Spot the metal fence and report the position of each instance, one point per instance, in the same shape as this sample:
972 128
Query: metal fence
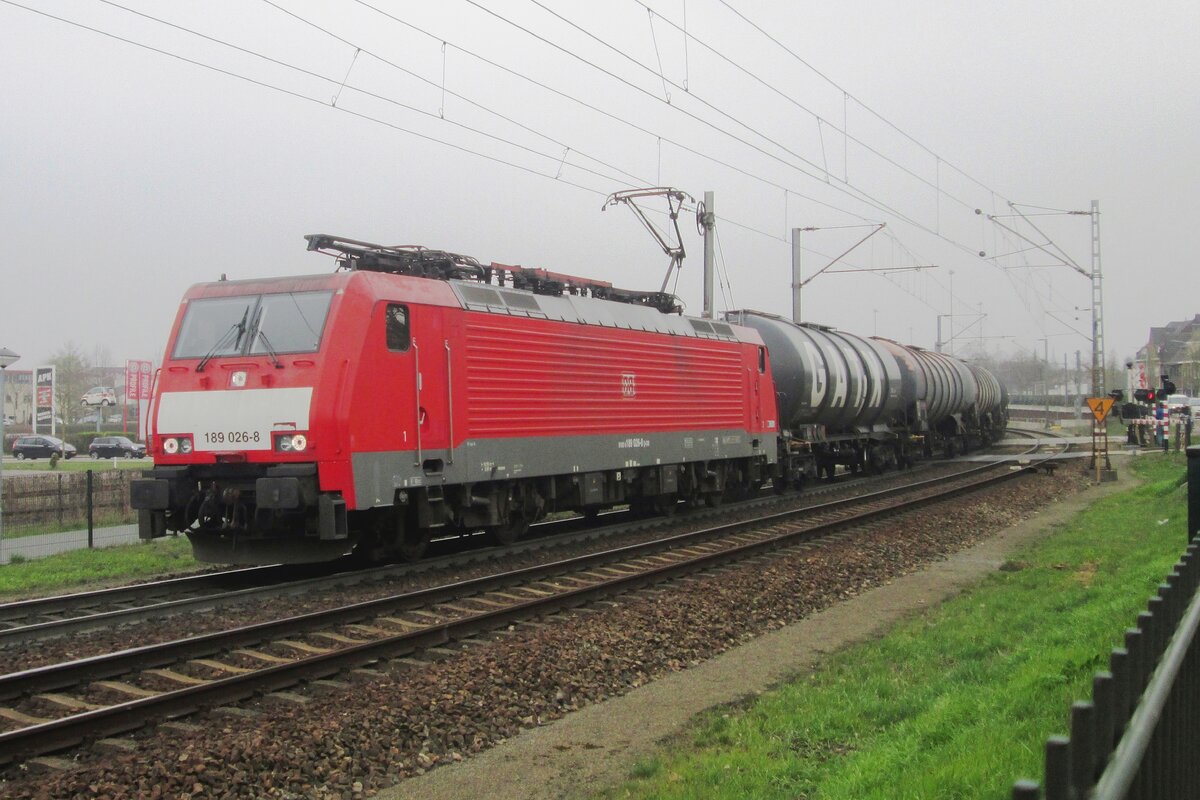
50 513
1137 738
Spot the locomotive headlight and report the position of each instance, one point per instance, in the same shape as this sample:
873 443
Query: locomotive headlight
291 443
171 446
185 445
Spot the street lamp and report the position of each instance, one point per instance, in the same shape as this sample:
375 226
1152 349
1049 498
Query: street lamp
7 359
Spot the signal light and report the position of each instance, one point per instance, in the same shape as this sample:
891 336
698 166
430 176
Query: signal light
1144 395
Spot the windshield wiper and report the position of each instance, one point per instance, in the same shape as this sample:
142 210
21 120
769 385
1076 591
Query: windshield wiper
270 350
259 333
238 328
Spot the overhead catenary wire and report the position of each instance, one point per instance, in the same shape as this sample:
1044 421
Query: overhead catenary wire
442 86
302 96
791 100
342 109
555 159
574 98
850 96
851 191
344 85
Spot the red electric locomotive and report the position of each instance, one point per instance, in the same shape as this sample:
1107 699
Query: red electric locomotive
415 391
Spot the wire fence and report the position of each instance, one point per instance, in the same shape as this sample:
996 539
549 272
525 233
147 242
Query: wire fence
50 513
1138 736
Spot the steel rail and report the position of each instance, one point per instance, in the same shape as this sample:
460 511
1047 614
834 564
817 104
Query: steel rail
73 729
78 603
66 603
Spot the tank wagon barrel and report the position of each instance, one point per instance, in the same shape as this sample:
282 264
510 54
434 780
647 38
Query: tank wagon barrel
868 402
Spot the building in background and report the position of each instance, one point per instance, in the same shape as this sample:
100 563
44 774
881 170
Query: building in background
18 398
1174 350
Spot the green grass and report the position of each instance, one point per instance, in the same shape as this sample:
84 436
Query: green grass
958 702
81 569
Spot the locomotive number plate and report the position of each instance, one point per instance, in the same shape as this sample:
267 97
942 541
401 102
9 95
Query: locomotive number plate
219 438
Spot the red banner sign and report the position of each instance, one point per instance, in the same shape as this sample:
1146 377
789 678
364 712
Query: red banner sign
137 380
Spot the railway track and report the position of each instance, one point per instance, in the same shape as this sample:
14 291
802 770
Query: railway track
43 618
59 706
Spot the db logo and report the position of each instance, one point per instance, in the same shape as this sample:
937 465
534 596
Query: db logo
628 384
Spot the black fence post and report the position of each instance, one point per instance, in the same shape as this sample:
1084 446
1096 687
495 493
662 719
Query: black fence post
1193 479
1083 750
91 543
1120 665
1058 768
59 507
1105 699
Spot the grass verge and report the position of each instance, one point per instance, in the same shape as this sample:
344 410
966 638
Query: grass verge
959 701
78 570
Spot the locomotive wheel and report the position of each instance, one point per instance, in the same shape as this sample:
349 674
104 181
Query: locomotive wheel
509 532
411 540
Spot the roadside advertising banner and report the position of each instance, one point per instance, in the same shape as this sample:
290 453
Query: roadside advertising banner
137 380
132 385
144 380
43 388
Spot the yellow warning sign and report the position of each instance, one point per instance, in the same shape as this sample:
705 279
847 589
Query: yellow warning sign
1100 407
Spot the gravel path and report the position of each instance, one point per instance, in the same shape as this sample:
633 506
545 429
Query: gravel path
407 716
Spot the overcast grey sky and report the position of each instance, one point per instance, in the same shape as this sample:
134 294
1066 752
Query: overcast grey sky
129 174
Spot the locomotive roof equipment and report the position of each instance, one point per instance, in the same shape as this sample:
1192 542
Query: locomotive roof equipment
422 262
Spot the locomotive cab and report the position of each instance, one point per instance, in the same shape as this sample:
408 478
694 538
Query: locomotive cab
234 437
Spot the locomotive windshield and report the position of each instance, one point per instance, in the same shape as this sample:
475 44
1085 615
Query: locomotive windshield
289 322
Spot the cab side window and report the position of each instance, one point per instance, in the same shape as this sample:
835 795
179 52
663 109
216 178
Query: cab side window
399 336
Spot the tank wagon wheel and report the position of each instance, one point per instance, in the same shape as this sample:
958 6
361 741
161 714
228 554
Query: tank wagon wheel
665 505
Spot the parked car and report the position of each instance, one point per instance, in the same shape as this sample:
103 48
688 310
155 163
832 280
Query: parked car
41 446
99 396
9 419
116 447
